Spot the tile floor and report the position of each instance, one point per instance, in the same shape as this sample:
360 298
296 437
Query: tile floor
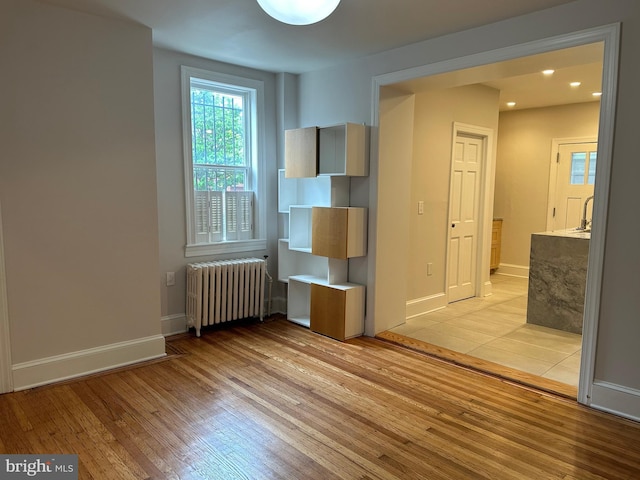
494 328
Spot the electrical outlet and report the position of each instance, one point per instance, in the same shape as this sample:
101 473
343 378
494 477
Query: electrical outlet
429 269
420 207
171 279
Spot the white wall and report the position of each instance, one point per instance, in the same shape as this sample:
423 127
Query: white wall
617 349
522 169
389 279
170 171
344 92
78 191
436 111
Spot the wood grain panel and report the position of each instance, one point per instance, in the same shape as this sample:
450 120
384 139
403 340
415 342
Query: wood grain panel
328 307
329 232
276 401
481 365
301 152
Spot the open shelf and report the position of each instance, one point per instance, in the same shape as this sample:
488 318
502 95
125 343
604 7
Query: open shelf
343 150
319 191
294 262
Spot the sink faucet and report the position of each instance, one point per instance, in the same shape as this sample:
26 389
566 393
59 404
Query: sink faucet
583 222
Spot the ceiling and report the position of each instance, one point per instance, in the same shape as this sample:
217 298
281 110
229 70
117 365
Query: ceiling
239 32
521 80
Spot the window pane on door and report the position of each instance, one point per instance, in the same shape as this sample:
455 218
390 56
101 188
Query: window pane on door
592 167
578 161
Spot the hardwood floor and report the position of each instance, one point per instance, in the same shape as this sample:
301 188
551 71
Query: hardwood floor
481 365
275 401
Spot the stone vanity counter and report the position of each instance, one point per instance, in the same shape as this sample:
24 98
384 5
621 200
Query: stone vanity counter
557 279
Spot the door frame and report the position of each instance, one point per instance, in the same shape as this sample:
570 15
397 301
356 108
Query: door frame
6 375
553 170
610 36
482 258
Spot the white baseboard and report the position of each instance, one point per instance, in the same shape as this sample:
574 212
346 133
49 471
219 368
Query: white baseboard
174 324
513 270
616 399
70 365
279 305
487 289
423 305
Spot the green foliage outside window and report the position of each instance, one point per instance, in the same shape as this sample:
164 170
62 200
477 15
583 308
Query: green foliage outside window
218 140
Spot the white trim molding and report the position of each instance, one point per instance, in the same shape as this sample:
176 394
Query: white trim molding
610 36
200 250
512 270
174 324
6 377
423 305
76 364
482 258
616 399
255 115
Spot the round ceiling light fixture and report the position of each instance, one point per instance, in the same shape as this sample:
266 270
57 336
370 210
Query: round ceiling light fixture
299 12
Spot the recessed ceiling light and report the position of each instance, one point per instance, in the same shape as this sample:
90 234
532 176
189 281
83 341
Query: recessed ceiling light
550 71
597 94
575 84
511 104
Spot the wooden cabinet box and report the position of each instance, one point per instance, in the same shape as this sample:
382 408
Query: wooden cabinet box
336 150
301 152
339 232
337 311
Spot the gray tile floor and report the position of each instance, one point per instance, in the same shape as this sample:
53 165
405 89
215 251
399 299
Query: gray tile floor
494 328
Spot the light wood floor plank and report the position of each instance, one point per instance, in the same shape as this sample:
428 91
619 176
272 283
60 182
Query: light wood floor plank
275 401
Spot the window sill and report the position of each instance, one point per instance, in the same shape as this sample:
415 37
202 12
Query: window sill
202 249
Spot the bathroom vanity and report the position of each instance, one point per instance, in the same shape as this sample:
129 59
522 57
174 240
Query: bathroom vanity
557 279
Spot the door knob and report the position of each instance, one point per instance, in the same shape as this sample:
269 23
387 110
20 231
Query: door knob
453 225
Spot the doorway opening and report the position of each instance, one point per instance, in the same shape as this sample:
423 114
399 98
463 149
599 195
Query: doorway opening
605 39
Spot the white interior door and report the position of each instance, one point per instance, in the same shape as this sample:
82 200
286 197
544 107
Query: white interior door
574 183
464 215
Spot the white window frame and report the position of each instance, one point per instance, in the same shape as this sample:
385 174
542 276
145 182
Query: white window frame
255 88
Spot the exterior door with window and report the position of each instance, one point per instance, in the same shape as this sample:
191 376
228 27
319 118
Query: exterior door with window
464 208
575 181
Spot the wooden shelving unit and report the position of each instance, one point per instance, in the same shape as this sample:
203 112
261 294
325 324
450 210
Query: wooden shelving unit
324 230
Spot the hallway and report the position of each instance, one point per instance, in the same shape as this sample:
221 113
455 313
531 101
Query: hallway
494 329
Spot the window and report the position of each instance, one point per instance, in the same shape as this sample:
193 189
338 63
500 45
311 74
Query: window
222 162
583 171
591 178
